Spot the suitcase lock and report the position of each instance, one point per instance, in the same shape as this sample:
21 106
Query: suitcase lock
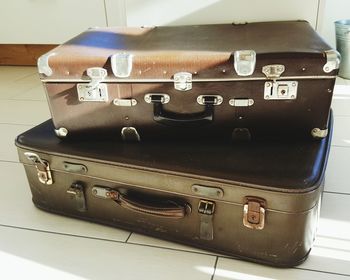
254 213
76 190
95 90
42 168
206 211
183 81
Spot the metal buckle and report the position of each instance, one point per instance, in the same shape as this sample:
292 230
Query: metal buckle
42 167
77 191
210 99
183 81
254 213
206 211
244 62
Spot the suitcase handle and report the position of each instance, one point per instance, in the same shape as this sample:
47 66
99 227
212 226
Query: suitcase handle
160 208
184 120
172 210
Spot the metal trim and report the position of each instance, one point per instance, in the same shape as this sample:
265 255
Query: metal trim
125 102
43 64
197 80
212 192
241 102
333 61
319 133
165 97
61 132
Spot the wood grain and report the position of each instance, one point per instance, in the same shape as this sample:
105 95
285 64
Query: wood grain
22 54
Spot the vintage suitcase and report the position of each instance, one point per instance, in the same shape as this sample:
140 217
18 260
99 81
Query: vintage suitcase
258 201
255 80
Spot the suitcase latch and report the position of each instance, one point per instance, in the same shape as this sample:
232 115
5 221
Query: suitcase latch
76 190
281 90
95 90
42 168
273 71
254 213
206 211
183 81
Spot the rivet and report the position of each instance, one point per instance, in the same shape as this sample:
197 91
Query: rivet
127 118
292 96
329 90
326 68
164 72
195 73
195 189
94 192
81 98
267 97
303 69
223 71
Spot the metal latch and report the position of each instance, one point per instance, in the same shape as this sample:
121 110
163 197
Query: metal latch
95 90
241 102
121 64
42 168
206 211
157 97
130 134
210 99
281 90
273 71
106 193
254 213
244 62
183 81
76 190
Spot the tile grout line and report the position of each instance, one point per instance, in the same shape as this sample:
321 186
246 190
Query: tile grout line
337 193
215 265
23 124
126 241
9 161
315 270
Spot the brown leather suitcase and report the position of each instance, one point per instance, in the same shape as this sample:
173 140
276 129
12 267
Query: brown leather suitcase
258 201
255 80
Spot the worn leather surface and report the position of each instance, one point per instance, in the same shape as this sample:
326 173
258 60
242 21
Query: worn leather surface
285 165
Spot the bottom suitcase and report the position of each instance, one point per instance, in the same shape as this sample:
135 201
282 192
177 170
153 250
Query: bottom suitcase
258 201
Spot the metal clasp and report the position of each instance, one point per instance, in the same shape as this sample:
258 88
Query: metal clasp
273 71
42 167
333 61
206 211
244 62
95 90
157 97
241 102
281 90
183 81
76 190
254 213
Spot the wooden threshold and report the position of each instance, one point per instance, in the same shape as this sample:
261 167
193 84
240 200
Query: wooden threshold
22 54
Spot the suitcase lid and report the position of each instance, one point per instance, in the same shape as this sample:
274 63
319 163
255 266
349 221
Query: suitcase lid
182 54
294 166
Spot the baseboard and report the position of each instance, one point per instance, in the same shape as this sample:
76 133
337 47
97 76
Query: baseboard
22 54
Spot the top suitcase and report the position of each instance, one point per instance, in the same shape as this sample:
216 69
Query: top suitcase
256 80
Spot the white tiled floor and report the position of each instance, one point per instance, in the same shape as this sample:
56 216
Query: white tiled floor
40 245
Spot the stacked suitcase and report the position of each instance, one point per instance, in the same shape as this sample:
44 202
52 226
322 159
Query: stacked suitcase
232 126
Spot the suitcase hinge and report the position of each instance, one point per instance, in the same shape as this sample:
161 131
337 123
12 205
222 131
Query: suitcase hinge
333 61
76 190
319 133
183 81
42 168
273 71
244 62
254 213
43 64
95 90
206 211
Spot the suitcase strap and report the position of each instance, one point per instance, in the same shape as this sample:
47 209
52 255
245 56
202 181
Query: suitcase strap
164 209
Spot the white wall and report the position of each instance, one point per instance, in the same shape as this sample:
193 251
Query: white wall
56 21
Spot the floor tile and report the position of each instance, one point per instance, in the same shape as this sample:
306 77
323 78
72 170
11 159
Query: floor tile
240 270
36 93
341 133
337 172
147 240
17 209
341 100
9 132
23 112
10 89
331 251
9 74
41 255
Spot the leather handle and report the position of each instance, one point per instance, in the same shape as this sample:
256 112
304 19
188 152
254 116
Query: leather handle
169 209
184 120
